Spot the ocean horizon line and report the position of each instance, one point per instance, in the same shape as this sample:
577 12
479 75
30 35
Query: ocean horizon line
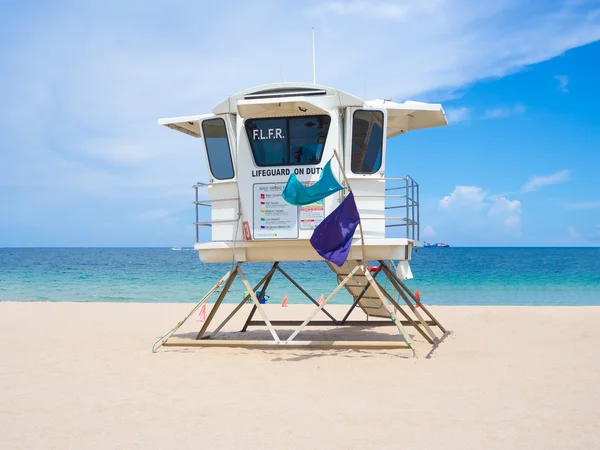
192 247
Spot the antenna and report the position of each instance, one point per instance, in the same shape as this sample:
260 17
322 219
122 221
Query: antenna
281 72
314 60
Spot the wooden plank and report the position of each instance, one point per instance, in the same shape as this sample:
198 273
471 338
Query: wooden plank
339 279
393 278
379 345
251 315
405 314
389 307
213 310
266 279
301 289
322 305
198 305
399 286
328 323
258 305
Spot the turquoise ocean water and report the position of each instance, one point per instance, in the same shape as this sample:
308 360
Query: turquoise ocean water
444 276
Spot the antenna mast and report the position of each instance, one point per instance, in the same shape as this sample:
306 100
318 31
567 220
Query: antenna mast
314 60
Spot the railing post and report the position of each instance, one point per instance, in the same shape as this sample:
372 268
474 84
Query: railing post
412 197
197 231
407 211
418 215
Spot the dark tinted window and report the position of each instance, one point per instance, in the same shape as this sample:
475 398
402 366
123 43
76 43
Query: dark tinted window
288 141
217 148
367 141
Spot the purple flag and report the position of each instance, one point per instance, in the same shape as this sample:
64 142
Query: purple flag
332 237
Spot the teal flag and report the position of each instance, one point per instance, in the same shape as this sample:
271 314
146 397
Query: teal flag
298 194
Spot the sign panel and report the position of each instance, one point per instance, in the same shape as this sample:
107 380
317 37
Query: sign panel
274 218
311 215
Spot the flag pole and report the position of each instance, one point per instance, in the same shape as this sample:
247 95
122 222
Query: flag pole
362 236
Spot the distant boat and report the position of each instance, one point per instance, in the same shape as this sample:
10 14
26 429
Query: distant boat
176 248
438 245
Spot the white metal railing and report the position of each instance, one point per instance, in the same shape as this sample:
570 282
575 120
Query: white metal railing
408 200
209 203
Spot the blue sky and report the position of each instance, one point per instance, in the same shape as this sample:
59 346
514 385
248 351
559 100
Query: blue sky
83 162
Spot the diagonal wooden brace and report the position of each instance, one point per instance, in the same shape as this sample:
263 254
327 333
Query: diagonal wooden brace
266 279
390 309
258 306
322 305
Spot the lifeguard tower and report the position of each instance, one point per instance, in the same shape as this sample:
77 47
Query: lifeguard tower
253 142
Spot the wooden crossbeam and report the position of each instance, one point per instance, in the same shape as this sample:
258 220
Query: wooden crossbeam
322 305
328 323
181 342
403 290
266 279
258 305
392 313
232 274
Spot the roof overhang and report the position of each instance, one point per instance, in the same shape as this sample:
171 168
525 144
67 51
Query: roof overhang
278 107
280 91
410 115
188 124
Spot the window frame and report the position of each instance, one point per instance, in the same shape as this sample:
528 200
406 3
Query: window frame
222 119
287 119
383 138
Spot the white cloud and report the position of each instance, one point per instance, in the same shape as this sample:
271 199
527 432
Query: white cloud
428 232
464 197
538 182
470 208
508 212
456 115
583 205
503 112
563 83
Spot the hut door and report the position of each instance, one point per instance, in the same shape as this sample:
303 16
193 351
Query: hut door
364 161
218 137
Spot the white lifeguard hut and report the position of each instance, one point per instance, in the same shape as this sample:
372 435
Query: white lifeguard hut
253 141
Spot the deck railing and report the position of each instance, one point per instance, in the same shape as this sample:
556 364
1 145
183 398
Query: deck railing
208 202
407 200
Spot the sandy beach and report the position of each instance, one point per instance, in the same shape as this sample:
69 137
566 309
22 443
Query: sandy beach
82 375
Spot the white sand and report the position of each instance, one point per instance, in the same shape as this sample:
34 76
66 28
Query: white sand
82 375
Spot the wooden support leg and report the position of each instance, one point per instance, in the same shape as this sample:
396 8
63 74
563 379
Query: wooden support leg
266 279
258 306
249 319
405 314
358 299
198 305
322 305
405 335
213 311
402 290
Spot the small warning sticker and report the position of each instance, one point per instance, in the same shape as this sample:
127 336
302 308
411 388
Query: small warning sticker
247 234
